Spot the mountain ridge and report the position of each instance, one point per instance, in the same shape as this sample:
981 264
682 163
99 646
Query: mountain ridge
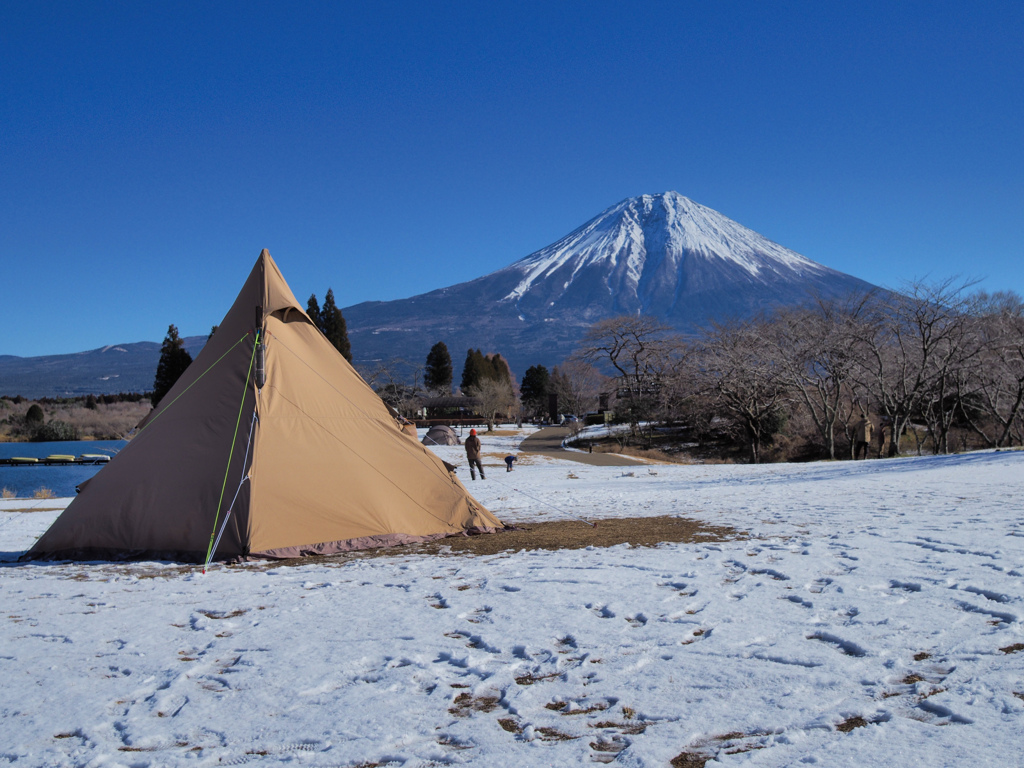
664 255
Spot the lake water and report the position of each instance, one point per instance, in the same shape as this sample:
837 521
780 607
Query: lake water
26 480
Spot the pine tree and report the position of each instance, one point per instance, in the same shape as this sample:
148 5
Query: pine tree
498 368
334 326
174 359
534 389
438 372
313 310
474 369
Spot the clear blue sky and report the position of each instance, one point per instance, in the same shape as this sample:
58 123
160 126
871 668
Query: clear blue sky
149 150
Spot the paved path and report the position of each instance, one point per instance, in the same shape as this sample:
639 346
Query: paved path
549 441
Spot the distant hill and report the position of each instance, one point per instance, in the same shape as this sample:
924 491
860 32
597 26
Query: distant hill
662 255
107 370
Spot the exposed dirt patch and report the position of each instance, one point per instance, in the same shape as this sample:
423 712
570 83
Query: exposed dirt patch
922 655
550 535
553 734
509 724
689 760
217 615
465 704
572 534
850 723
1013 648
630 728
530 679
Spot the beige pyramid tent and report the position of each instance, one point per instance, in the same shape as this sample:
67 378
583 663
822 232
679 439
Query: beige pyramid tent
270 445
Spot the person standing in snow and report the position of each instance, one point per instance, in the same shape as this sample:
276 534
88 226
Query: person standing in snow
862 441
473 455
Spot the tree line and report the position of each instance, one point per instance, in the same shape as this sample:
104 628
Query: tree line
933 367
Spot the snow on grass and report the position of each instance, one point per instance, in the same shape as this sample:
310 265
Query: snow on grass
871 615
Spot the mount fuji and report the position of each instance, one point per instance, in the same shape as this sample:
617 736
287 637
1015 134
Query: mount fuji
661 255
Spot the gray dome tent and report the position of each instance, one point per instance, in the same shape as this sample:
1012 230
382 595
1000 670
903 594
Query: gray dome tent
441 434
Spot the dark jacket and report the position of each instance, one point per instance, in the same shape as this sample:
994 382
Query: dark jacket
473 448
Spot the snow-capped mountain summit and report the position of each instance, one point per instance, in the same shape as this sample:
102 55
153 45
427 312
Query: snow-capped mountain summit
648 253
662 255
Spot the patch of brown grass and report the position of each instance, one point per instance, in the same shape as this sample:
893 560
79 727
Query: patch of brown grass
465 704
572 534
1013 648
509 724
530 679
7 493
216 615
650 454
689 760
44 493
630 729
553 734
553 535
850 723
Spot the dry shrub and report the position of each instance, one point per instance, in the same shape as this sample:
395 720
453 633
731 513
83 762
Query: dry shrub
105 422
44 493
651 454
7 493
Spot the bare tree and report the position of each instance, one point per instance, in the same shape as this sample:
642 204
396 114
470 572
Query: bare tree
637 348
496 397
905 352
812 349
578 386
397 381
688 394
747 381
994 402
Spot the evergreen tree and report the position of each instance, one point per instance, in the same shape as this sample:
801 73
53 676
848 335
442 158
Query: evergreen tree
313 310
498 369
213 330
474 369
334 326
174 359
534 389
438 372
35 416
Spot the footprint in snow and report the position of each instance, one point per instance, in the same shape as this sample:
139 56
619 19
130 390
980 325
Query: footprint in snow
818 585
700 633
479 616
846 646
566 644
601 611
771 572
798 600
908 586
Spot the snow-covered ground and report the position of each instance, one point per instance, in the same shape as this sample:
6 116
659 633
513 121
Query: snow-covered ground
871 616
